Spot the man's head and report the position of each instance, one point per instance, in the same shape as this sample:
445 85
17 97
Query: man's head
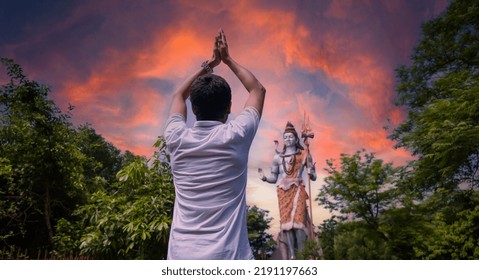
210 97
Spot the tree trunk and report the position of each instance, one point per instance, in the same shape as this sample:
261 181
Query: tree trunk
47 213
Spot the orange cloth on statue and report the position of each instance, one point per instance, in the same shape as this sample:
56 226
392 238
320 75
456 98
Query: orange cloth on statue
292 195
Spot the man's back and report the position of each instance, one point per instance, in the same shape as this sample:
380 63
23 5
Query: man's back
209 165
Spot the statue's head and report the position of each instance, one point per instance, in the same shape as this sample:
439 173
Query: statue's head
290 137
210 97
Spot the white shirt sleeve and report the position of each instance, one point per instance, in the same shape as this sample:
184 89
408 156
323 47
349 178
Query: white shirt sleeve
175 125
246 124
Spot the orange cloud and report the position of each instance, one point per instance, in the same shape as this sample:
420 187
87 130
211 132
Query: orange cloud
275 42
174 53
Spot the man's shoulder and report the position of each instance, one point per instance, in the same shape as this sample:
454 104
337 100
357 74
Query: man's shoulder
246 123
251 111
176 117
175 123
249 115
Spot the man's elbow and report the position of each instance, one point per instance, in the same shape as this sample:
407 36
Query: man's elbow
261 92
262 89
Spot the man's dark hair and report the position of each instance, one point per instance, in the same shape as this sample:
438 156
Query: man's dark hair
210 97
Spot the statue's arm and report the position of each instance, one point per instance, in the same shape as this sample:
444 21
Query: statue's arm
272 178
311 168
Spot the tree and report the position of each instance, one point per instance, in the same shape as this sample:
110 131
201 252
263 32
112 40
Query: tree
405 229
371 202
439 92
356 240
48 167
103 159
312 250
360 189
261 242
327 234
452 229
41 166
130 221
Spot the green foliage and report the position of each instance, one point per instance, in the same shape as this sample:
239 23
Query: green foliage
442 226
133 220
59 188
378 215
103 159
261 242
311 251
66 241
405 230
360 188
13 253
41 171
327 234
453 228
439 91
357 241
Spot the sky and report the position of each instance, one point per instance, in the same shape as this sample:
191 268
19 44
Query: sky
119 62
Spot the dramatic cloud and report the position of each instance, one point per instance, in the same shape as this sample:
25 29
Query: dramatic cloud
119 63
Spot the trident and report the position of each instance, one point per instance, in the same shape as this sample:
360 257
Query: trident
306 134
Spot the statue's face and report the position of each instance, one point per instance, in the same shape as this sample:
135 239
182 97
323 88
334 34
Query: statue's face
289 139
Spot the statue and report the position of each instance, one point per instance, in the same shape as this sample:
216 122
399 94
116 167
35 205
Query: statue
287 173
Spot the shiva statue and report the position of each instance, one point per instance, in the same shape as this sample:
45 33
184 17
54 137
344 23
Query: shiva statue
287 173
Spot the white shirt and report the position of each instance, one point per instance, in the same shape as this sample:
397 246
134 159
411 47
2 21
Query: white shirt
209 165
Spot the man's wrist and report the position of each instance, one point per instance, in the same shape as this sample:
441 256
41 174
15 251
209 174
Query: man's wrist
207 67
212 64
228 61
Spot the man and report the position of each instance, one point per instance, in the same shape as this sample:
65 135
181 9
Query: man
287 171
209 162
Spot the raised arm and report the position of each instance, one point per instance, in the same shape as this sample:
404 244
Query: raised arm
178 104
256 90
311 168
